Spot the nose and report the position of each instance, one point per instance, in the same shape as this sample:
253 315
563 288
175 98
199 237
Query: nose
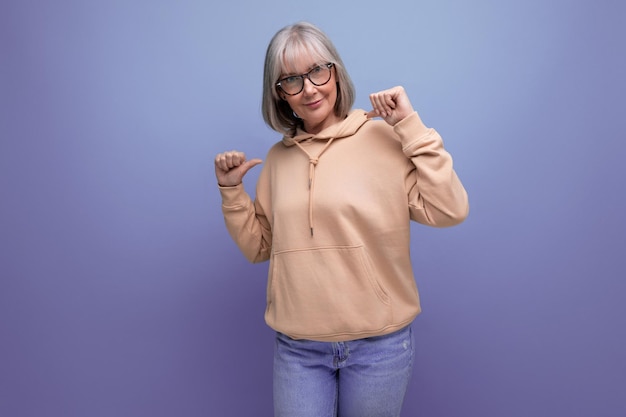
308 85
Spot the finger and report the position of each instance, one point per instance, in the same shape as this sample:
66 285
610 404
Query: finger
385 102
390 100
220 161
227 160
234 158
238 158
376 104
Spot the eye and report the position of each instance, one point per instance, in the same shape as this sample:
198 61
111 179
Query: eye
291 80
316 70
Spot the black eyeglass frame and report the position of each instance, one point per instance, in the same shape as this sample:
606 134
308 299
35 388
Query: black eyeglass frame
328 65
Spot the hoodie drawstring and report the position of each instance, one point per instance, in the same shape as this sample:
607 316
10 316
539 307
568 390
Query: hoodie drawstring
313 161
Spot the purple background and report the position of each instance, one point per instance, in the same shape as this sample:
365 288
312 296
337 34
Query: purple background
121 293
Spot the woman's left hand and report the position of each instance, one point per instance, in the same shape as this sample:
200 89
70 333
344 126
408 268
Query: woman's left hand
392 105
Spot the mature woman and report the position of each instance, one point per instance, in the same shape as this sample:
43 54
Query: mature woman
331 213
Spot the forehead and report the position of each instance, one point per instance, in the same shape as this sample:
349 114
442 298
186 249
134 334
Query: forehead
297 58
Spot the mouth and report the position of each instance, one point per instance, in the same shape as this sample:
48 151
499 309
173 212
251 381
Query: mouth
314 103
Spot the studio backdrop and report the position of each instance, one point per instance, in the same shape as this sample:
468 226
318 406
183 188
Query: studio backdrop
121 293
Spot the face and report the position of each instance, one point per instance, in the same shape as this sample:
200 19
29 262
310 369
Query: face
315 103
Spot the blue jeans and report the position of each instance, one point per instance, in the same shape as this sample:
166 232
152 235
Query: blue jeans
359 378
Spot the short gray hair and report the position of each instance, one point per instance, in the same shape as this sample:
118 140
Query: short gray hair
287 45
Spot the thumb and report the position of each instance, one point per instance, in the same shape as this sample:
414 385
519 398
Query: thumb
246 166
371 114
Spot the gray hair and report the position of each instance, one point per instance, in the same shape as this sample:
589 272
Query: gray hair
287 45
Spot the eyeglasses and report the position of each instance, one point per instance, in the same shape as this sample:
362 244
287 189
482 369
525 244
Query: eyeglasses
294 84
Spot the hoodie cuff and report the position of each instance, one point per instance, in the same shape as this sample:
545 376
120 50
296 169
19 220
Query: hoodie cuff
411 131
411 128
234 196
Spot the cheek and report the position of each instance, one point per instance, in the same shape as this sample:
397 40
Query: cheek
334 93
293 103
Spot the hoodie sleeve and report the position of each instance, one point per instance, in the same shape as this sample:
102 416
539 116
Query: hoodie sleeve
436 195
247 224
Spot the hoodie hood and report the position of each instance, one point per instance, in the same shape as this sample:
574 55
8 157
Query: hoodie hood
346 128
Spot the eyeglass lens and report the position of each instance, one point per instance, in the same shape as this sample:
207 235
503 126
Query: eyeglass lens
294 84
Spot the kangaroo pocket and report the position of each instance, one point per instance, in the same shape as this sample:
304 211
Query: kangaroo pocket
326 291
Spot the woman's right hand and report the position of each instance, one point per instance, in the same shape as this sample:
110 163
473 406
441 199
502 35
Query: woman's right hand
230 167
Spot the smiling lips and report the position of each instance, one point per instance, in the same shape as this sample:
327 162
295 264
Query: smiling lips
314 104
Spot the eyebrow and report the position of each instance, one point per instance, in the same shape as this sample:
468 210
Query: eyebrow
289 74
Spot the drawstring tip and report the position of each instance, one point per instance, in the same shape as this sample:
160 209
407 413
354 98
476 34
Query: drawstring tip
311 231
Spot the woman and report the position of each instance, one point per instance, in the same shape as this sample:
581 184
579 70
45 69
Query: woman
333 204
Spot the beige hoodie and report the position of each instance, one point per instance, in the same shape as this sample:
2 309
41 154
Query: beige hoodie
332 215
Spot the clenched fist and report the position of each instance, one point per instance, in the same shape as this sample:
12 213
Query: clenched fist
392 105
231 166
